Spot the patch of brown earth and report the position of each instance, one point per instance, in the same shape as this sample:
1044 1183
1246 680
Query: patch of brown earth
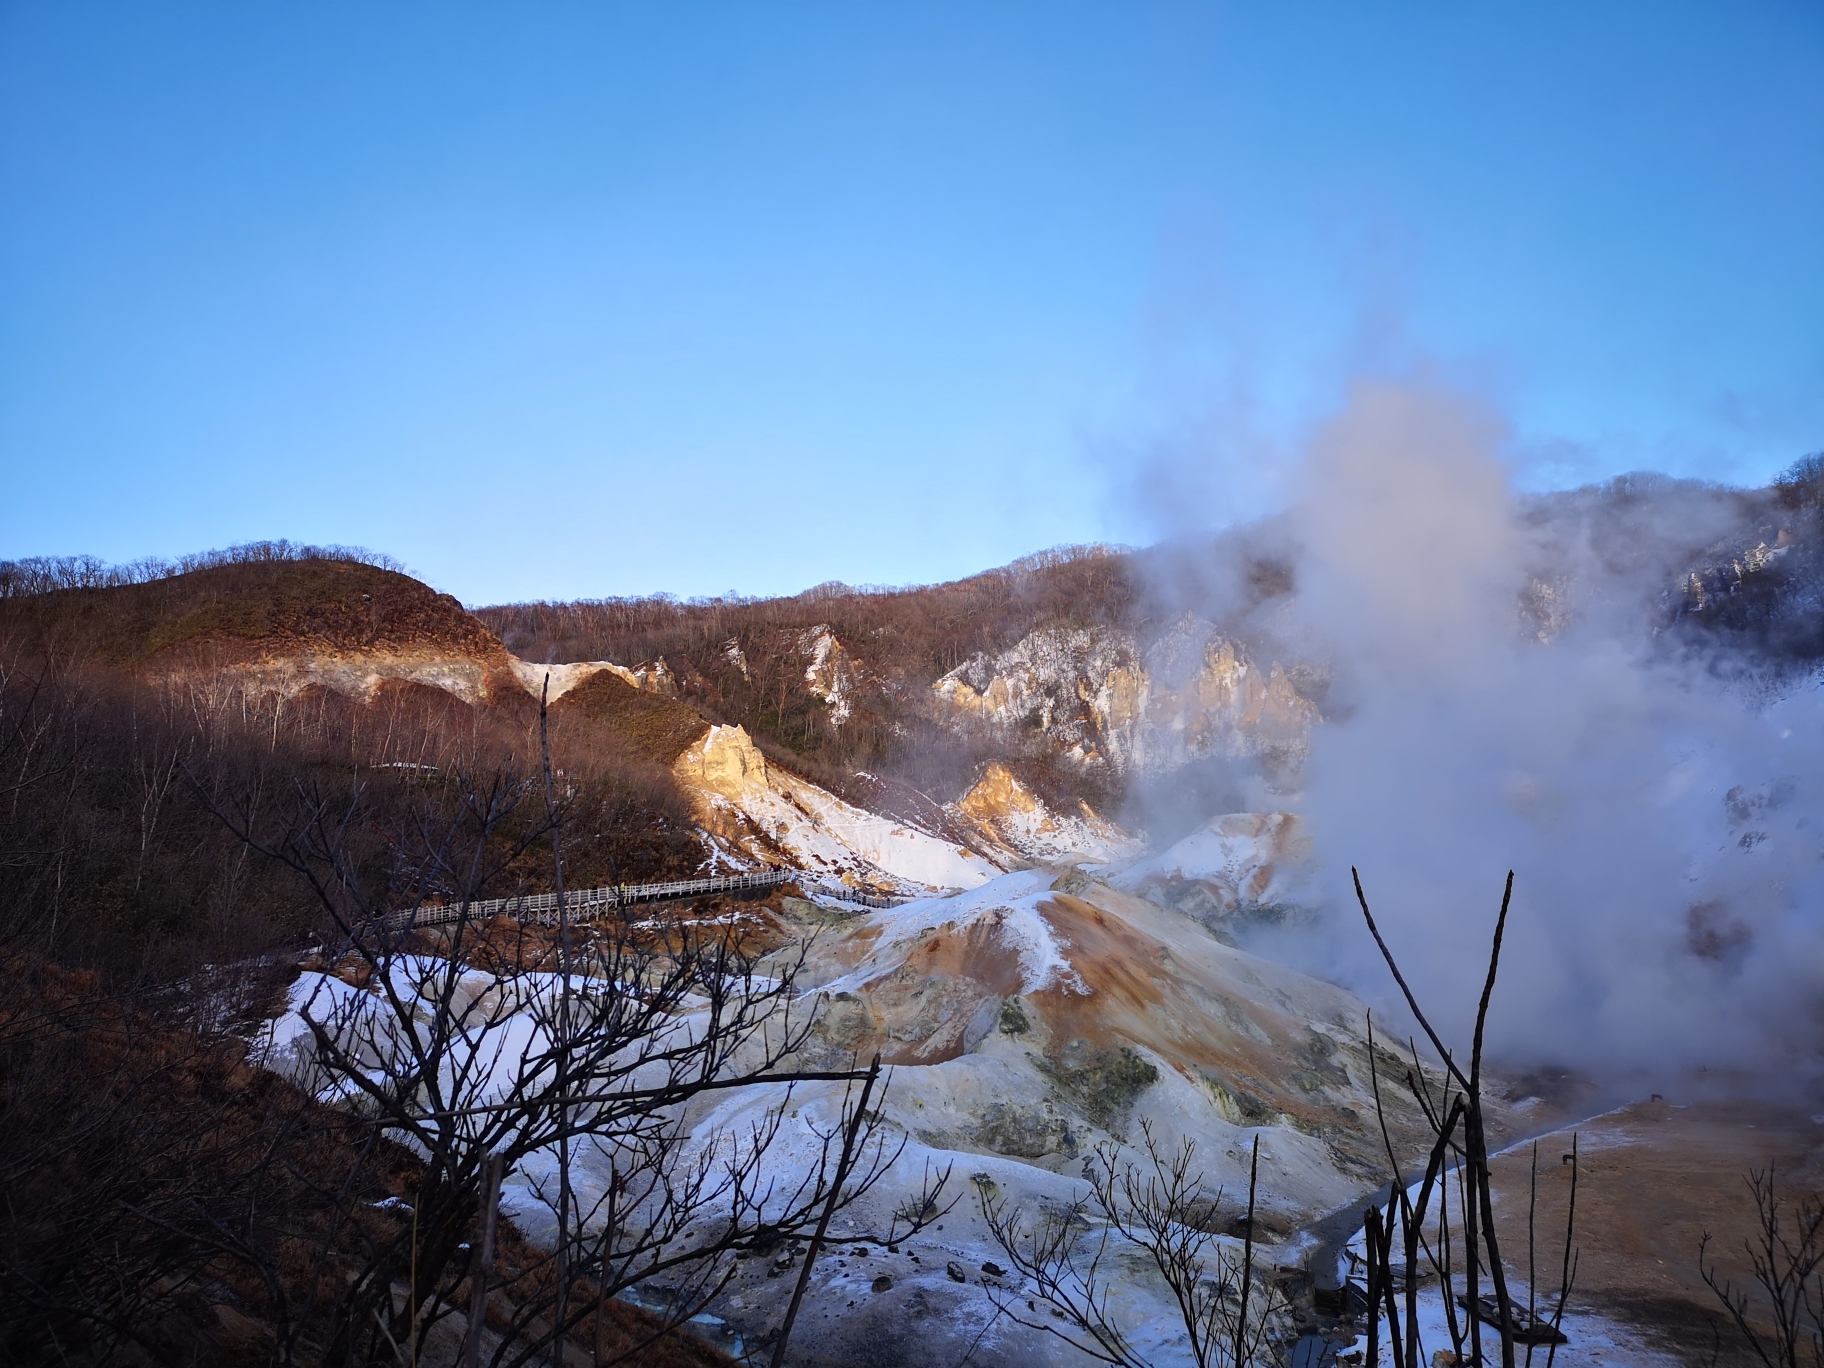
1654 1177
936 1004
1263 1065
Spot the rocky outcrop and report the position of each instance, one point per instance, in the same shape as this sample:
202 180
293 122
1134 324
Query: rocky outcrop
726 763
829 675
653 677
1059 988
355 674
1104 701
474 677
1017 819
765 813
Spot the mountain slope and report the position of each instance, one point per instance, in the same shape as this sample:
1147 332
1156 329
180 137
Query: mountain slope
388 672
249 608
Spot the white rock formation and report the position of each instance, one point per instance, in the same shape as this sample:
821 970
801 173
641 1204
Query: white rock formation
829 674
1242 858
1190 694
654 678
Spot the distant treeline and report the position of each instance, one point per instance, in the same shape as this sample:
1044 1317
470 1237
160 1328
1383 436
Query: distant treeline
48 574
1082 585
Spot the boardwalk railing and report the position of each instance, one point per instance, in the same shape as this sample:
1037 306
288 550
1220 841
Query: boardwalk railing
585 904
843 893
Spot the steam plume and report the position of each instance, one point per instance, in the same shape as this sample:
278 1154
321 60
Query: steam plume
1499 699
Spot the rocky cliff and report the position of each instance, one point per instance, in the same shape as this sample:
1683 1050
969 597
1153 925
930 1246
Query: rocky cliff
1105 702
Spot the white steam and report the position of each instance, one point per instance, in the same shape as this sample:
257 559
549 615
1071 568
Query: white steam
1665 833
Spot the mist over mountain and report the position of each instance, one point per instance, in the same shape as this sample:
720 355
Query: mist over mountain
1611 690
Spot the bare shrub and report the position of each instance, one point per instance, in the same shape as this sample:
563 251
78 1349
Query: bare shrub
1162 1206
1453 1107
1784 1324
493 1043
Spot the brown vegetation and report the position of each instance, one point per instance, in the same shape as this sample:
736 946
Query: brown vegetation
744 660
113 856
648 727
168 1203
255 605
478 1068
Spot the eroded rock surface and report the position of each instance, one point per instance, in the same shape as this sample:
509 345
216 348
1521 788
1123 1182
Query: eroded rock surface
1104 701
1015 818
766 813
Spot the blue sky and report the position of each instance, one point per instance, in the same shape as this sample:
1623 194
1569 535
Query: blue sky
560 300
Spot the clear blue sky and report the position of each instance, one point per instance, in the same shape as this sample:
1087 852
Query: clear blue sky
556 300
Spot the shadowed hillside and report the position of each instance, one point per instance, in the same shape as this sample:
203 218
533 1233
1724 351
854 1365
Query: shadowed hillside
131 697
269 603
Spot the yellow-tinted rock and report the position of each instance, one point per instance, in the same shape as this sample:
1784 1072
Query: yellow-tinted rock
725 761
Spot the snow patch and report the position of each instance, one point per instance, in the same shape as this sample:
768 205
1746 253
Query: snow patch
655 678
821 833
1243 857
1010 902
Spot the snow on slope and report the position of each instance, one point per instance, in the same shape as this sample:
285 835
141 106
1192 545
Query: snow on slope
764 810
1016 817
1028 1021
1010 901
1237 859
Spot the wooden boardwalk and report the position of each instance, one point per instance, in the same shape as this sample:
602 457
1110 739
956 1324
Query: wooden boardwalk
586 904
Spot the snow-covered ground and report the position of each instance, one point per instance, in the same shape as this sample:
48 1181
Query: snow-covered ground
995 1008
1242 857
1592 1341
1005 1013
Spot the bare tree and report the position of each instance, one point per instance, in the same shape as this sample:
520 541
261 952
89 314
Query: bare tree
1786 1256
1453 1108
1163 1207
491 1041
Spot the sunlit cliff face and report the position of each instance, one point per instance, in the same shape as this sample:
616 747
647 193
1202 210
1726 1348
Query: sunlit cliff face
1665 826
1105 701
